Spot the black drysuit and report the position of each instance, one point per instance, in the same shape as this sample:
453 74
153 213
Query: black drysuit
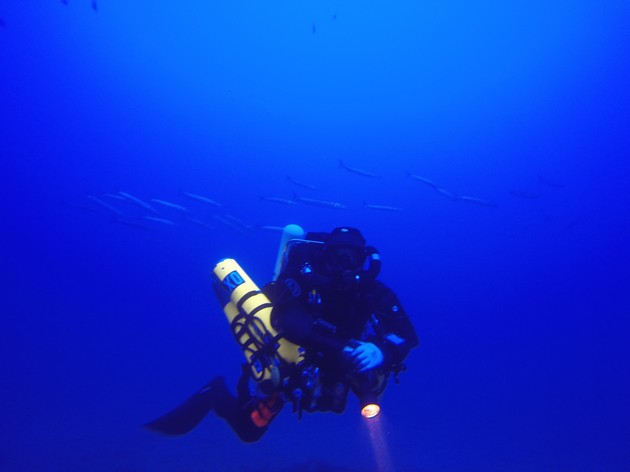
313 312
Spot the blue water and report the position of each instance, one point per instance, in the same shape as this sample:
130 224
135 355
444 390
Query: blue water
521 302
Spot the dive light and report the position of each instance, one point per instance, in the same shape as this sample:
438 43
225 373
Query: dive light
369 405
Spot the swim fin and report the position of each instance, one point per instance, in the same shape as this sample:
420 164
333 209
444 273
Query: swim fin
189 414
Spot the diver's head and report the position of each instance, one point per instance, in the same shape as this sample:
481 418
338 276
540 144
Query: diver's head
343 257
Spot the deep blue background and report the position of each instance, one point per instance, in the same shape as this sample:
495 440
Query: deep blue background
522 307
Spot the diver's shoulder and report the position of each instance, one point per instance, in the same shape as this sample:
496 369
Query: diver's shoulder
377 287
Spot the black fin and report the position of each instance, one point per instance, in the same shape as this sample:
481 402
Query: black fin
189 414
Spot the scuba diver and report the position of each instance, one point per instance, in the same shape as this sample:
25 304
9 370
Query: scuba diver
346 329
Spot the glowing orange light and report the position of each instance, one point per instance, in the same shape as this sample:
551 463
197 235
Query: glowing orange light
370 410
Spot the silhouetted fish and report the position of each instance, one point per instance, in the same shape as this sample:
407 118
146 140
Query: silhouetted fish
2 23
524 194
232 222
301 184
476 200
314 29
446 193
203 224
549 183
94 5
423 180
239 222
136 201
202 199
115 197
381 207
162 221
285 201
65 2
173 206
356 170
105 205
81 206
321 203
131 223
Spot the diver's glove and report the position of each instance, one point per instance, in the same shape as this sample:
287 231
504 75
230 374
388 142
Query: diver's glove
364 356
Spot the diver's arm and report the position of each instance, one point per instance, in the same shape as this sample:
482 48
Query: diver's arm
395 335
297 325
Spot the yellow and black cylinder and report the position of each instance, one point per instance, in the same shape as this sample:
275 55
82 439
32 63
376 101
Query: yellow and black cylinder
248 311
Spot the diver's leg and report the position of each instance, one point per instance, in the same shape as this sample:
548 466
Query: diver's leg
248 415
238 416
242 386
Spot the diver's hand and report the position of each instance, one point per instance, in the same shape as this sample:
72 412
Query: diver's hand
364 356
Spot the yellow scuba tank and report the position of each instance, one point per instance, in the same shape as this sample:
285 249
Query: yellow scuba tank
248 311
